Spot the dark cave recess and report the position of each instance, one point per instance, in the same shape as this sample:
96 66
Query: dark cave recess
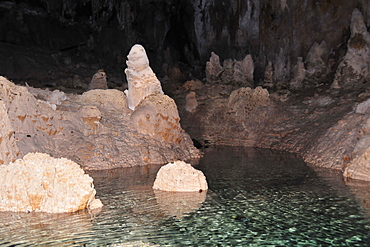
181 33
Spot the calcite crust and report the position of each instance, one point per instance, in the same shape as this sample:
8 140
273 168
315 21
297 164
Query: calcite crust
40 183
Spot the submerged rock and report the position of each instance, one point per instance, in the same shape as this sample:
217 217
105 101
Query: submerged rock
40 183
180 176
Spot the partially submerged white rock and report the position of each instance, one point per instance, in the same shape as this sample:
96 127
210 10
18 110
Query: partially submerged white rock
181 177
40 183
142 81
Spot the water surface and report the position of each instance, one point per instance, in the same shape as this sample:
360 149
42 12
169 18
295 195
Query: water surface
256 197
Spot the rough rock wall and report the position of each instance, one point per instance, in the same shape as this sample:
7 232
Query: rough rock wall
271 31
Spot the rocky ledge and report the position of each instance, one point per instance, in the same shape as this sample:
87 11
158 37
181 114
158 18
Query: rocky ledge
98 129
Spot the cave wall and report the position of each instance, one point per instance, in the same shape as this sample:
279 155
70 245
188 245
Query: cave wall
185 31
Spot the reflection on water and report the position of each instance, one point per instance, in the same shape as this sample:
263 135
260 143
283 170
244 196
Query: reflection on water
256 197
178 204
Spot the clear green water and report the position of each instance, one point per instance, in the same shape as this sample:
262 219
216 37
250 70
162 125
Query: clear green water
256 198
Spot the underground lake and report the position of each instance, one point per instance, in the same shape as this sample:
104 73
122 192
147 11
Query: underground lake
256 197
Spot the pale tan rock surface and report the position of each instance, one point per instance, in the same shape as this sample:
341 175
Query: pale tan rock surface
40 183
157 116
141 79
7 142
93 129
109 99
181 177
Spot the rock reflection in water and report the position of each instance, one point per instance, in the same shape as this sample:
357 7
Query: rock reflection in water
45 228
178 204
255 198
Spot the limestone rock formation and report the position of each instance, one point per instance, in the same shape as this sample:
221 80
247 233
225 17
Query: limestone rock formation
316 68
93 129
8 147
354 69
193 85
243 100
40 183
107 99
181 177
232 71
191 102
268 78
299 73
243 71
142 81
158 117
53 98
213 69
99 81
359 167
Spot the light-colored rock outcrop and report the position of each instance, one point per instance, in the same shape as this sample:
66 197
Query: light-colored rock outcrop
158 117
108 99
40 183
141 79
93 129
180 176
354 69
53 98
8 147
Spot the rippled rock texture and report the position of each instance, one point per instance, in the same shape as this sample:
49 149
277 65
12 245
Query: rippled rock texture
40 183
